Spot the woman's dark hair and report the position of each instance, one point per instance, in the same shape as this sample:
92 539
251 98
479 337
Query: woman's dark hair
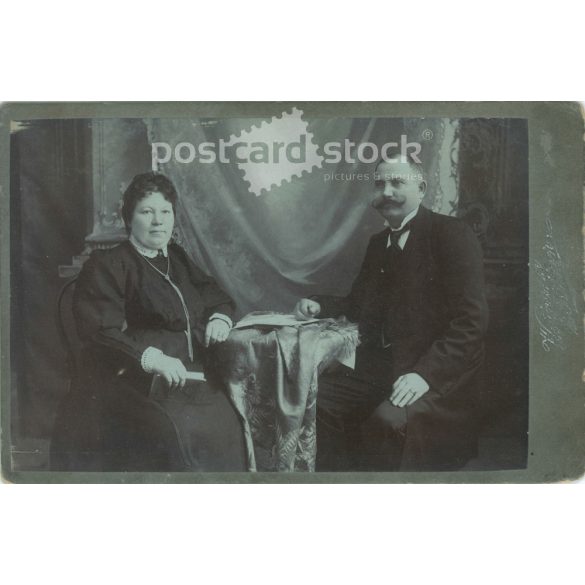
143 185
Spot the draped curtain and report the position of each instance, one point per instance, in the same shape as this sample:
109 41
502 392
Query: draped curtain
307 235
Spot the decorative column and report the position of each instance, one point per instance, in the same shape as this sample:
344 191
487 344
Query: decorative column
120 150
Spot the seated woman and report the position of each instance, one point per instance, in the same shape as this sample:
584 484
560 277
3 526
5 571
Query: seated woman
142 309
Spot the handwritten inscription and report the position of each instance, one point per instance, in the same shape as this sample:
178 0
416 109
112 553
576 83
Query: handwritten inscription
556 308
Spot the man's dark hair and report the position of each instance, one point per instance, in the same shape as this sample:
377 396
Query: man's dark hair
143 185
408 158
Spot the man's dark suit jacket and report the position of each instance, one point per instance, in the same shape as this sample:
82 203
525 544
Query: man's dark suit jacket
436 314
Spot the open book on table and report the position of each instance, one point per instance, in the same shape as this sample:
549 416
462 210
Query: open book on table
271 320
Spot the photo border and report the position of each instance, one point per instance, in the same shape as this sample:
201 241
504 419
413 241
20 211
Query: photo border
556 448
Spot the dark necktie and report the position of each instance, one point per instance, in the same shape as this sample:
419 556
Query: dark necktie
395 236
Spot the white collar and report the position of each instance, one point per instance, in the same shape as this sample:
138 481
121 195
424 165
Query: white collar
404 221
148 252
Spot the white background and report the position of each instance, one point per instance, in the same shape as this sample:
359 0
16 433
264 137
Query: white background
291 534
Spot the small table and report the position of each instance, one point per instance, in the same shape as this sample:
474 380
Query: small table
272 378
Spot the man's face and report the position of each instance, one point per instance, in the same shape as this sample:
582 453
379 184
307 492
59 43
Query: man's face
399 190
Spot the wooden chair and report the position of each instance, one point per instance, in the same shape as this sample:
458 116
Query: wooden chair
75 443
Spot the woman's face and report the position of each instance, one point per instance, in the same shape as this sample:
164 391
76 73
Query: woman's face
153 221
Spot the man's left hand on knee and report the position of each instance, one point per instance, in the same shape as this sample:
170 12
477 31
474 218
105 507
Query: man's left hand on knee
408 389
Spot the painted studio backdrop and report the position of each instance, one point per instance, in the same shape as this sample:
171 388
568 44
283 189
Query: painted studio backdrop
267 245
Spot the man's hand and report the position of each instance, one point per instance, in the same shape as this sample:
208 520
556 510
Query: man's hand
216 331
408 389
306 309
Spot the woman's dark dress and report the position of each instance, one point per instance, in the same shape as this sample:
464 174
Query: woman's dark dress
122 306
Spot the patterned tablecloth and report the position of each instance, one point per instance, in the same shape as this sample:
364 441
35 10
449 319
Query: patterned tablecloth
272 379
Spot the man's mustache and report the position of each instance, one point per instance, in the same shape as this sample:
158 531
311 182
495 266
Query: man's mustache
380 202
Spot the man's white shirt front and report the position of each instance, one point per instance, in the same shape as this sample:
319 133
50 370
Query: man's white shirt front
404 237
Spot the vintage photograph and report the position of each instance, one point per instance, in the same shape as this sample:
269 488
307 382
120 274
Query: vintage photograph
282 293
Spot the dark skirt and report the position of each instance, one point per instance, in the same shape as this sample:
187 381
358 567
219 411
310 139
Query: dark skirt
193 429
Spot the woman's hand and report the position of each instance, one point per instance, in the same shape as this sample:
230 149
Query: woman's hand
217 330
171 369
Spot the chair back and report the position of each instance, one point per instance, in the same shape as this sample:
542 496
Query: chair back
67 327
76 438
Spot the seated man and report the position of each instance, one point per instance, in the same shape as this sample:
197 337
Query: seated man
419 301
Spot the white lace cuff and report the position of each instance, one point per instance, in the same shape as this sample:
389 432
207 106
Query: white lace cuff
222 317
149 355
